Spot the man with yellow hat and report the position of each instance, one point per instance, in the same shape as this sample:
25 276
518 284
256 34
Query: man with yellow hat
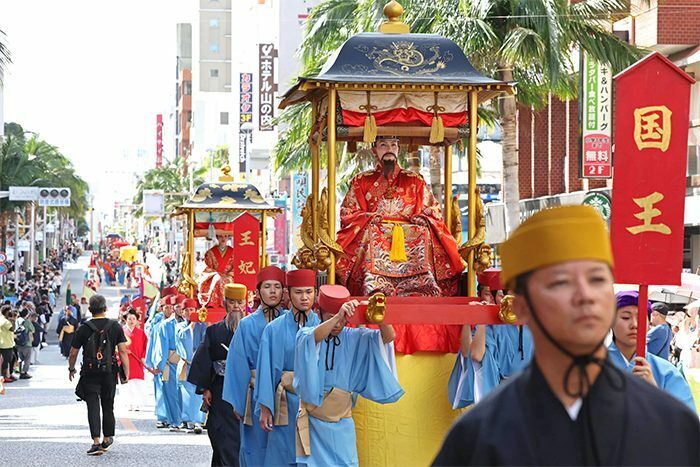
207 373
333 364
571 406
276 401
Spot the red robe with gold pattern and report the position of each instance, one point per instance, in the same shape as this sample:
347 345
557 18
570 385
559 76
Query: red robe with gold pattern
368 214
216 275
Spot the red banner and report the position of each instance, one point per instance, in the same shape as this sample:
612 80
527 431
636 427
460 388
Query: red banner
651 143
159 140
246 251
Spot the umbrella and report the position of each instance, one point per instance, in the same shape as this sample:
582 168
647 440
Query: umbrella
114 235
120 243
695 304
667 296
690 285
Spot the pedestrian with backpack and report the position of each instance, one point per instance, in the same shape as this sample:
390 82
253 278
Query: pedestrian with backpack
24 335
98 338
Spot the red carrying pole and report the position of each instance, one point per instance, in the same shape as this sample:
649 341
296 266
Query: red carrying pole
642 320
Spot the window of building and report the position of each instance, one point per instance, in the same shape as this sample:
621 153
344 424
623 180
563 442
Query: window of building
214 73
223 118
214 47
187 88
214 23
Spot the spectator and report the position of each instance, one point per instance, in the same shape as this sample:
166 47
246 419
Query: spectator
24 336
36 340
7 343
98 374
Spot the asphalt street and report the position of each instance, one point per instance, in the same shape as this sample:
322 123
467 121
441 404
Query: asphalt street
42 423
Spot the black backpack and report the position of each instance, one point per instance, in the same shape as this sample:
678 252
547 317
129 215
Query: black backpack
98 351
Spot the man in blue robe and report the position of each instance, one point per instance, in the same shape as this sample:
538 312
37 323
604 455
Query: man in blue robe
497 351
165 358
188 337
276 401
240 378
151 330
654 370
659 335
334 364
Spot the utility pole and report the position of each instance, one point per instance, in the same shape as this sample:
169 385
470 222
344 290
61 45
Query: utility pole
16 258
32 236
43 242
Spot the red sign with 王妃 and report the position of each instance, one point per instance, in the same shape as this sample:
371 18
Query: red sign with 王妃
246 251
652 100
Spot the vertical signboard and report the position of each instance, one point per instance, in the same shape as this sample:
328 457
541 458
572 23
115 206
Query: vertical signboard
596 102
281 229
245 121
267 87
300 191
159 140
651 137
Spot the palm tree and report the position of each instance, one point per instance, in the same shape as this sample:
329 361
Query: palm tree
533 43
5 58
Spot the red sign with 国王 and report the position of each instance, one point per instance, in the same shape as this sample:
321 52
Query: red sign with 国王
246 251
652 100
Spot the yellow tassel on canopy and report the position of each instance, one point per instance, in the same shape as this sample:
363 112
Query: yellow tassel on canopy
398 244
437 130
370 135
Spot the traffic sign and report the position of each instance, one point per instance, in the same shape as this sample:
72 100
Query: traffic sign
3 269
3 257
23 193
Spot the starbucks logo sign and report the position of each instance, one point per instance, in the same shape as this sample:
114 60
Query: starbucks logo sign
601 202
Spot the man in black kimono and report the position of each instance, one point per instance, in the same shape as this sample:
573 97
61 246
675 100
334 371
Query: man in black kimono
207 373
571 406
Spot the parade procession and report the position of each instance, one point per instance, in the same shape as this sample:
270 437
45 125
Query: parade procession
393 233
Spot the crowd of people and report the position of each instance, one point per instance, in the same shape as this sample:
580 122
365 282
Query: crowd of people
26 313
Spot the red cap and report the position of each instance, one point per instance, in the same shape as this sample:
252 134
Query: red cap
491 278
181 298
271 273
332 297
190 303
163 301
169 291
172 299
301 278
139 303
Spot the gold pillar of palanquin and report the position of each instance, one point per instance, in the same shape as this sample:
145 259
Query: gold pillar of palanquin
471 187
332 94
315 144
447 211
263 240
190 249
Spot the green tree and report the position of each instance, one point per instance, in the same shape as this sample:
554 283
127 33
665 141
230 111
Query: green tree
532 42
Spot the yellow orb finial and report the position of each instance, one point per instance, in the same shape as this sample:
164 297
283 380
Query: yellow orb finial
393 11
226 174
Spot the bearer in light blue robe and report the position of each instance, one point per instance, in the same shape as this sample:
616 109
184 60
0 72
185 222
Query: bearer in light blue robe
164 357
653 369
186 343
240 377
497 352
151 330
460 387
275 360
333 365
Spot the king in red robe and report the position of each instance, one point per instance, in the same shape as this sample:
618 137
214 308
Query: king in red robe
396 242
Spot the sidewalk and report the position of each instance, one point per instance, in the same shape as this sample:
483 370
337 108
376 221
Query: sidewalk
42 423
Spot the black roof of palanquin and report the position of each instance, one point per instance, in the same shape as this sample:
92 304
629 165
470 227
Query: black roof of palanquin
374 57
399 59
227 196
